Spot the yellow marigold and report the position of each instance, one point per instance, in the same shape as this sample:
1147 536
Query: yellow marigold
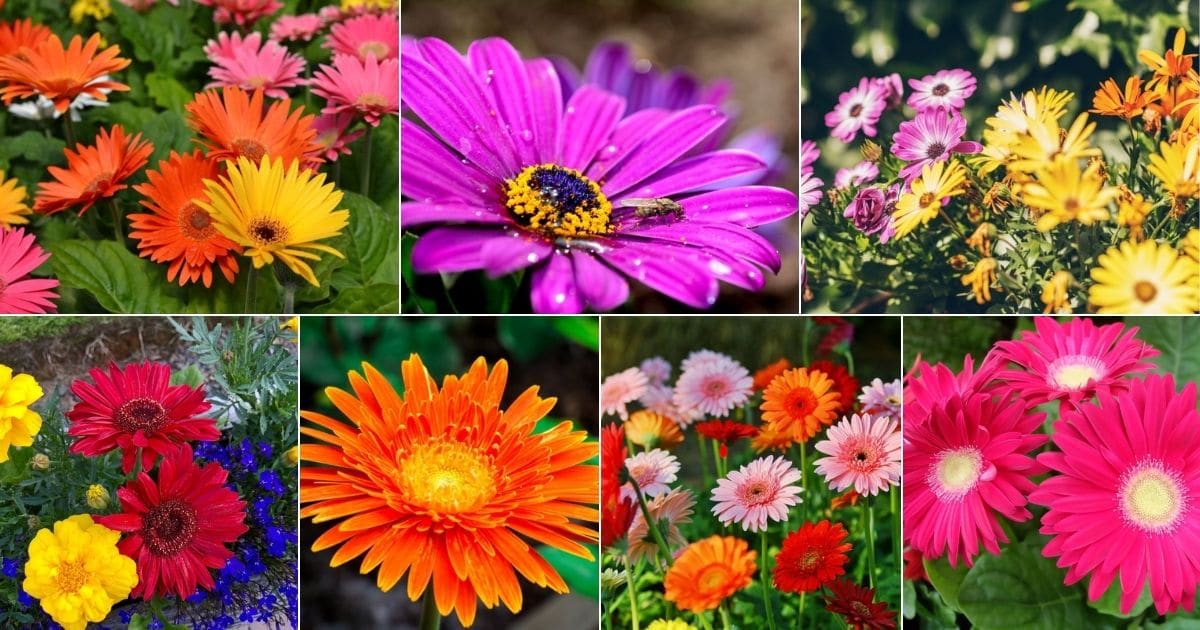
980 280
18 423
77 572
292 324
13 209
1061 193
982 238
652 430
919 206
1054 294
1146 277
97 497
96 9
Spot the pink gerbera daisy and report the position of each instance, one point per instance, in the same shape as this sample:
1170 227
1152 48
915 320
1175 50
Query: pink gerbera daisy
241 12
697 358
20 255
714 387
332 135
929 385
761 490
657 370
933 136
965 466
881 399
297 28
1072 361
810 192
366 35
808 155
620 389
369 88
864 452
674 508
1125 498
857 108
654 471
252 63
862 173
945 89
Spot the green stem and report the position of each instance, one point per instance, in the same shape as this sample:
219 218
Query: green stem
289 299
69 129
800 611
630 580
717 459
116 215
804 468
431 619
251 277
659 541
725 614
708 482
704 623
897 544
869 521
959 232
365 187
766 590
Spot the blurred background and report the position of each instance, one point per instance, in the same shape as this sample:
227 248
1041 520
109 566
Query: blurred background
558 354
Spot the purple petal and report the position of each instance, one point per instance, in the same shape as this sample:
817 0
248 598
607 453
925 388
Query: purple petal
547 108
554 289
503 256
967 146
677 90
591 117
749 206
431 171
696 173
676 272
602 288
729 240
568 75
610 66
665 143
640 94
499 67
628 134
414 213
448 249
717 92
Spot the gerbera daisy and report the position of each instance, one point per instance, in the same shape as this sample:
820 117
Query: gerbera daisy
616 510
657 370
1146 277
93 173
1110 100
811 557
944 89
932 136
858 108
800 403
966 466
620 389
927 386
365 87
1071 361
858 608
61 74
177 230
654 471
253 63
21 34
1044 142
650 430
564 198
881 399
708 572
1061 193
18 423
366 35
847 499
714 388
241 12
862 173
1124 499
766 374
137 410
670 624
937 182
771 439
810 192
446 486
725 431
275 212
759 491
13 209
671 509
178 525
864 452
296 28
233 123
844 383
333 136
703 356
19 256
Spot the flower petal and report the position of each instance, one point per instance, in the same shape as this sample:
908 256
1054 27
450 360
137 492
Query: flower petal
696 173
502 256
413 213
601 287
749 206
449 249
592 115
554 289
431 171
663 144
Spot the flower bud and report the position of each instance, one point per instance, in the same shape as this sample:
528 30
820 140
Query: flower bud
871 152
291 457
97 497
40 461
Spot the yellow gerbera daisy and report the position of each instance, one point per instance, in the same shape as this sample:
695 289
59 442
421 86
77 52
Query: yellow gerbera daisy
13 210
670 624
276 213
1012 121
918 207
1062 193
1045 143
18 423
1146 277
1190 245
1177 166
77 572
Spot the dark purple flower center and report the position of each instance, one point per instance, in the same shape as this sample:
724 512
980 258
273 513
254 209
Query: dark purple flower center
941 89
856 110
169 527
935 150
140 414
558 201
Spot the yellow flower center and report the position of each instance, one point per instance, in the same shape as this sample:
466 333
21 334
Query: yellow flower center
956 472
377 48
370 100
252 149
558 201
72 576
266 232
809 561
1075 372
926 199
1152 498
712 576
1144 291
447 477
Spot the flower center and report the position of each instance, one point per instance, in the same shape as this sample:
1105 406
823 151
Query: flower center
801 401
935 150
810 560
856 110
195 222
256 82
377 48
926 199
169 527
956 472
72 576
370 100
1075 372
860 609
252 150
558 201
267 232
712 576
757 493
941 89
1144 291
97 183
447 477
1152 497
715 388
140 414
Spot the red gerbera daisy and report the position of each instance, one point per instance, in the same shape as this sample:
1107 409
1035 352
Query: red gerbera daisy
616 514
725 431
844 383
137 410
178 526
811 557
857 606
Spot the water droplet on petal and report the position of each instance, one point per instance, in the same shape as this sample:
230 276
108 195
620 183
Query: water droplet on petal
464 145
719 268
989 472
559 298
570 109
612 148
532 257
526 135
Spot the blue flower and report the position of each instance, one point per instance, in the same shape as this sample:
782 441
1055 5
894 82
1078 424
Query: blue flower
262 509
264 450
198 597
9 568
24 598
271 482
155 624
277 541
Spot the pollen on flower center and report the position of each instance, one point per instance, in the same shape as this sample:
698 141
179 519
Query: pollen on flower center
935 150
558 201
267 232
1075 372
169 527
1152 497
98 182
195 222
757 494
446 477
941 89
144 414
253 150
860 609
856 110
371 99
926 199
72 576
810 560
801 401
956 472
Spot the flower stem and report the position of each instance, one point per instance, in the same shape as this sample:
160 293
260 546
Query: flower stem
659 541
766 590
869 523
897 544
803 468
289 299
630 581
704 461
725 614
116 215
365 187
431 619
251 277
957 230
800 611
69 129
717 458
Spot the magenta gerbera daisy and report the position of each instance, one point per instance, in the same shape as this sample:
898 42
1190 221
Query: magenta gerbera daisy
714 387
966 466
928 385
19 293
252 63
620 389
368 88
654 471
933 136
864 452
858 108
757 492
944 89
241 12
1124 499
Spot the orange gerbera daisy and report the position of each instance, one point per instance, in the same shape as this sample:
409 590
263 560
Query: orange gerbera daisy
708 572
652 430
61 74
177 230
800 402
443 484
1111 101
764 376
93 173
233 123
770 438
16 35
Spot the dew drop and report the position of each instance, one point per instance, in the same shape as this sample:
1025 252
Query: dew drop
570 109
610 149
559 298
532 257
464 145
488 78
526 135
719 268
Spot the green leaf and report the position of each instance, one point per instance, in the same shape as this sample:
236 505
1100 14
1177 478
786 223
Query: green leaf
578 573
167 92
946 579
376 298
139 622
34 147
583 330
1178 341
370 244
1110 602
526 338
119 280
1021 589
168 132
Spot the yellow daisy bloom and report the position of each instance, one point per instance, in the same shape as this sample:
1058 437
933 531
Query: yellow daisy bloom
13 209
97 9
18 423
918 207
276 213
1146 277
1062 193
1190 245
77 572
1045 143
1178 168
1012 121
670 624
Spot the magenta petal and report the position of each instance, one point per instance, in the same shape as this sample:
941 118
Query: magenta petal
554 289
729 240
967 146
450 249
590 119
499 67
676 272
628 135
749 206
427 164
413 213
696 173
677 90
663 144
602 288
610 66
502 256
546 107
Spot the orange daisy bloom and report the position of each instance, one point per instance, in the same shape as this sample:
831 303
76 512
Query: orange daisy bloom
1111 101
708 572
17 35
177 230
61 74
770 438
233 123
93 173
652 430
800 402
444 485
764 376
1172 64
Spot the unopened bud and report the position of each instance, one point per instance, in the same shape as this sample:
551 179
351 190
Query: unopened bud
871 152
40 461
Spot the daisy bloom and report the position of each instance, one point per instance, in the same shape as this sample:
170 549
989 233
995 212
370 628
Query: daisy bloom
366 35
21 34
1072 361
19 256
1124 499
13 209
766 374
862 173
654 471
616 509
93 173
1110 100
1045 143
650 430
927 386
296 28
800 403
759 491
858 608
708 572
233 123
858 108
241 12
77 572
771 439
809 153
812 557
43 108
1061 192
444 485
18 423
620 389
933 136
881 399
944 89
276 213
704 356
892 87
253 63
365 87
1172 64
844 383
965 467
179 525
923 202
657 370
863 452
1177 168
616 67
725 431
61 74
177 230
672 509
810 192
137 410
1146 277
333 136
847 499
714 388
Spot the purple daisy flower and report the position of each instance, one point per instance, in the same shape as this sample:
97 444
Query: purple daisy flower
862 173
810 192
931 137
871 210
892 87
511 178
808 155
858 108
945 89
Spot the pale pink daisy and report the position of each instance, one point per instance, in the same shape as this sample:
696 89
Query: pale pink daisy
892 87
881 399
331 14
20 294
696 358
620 389
368 88
241 12
657 370
945 89
858 108
862 173
332 134
297 28
366 35
661 400
809 152
761 490
714 387
654 471
251 63
810 192
864 452
674 508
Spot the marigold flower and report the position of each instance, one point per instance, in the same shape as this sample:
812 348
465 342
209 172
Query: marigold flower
95 9
812 557
1146 277
800 403
708 572
18 423
61 74
1111 101
1131 212
93 173
77 572
97 497
981 279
